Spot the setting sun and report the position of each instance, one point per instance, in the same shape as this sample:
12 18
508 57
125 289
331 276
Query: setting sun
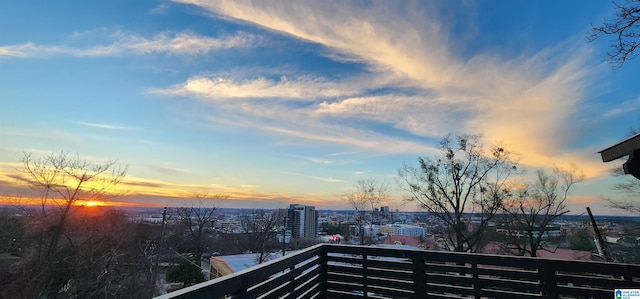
91 203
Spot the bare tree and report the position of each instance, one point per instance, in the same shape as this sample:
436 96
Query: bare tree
623 28
367 194
628 187
259 232
62 182
535 207
463 186
197 218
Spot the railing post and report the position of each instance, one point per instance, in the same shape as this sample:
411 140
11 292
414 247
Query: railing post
549 284
244 286
242 292
477 288
323 270
419 275
364 274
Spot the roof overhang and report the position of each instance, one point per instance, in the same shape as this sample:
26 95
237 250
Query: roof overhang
629 147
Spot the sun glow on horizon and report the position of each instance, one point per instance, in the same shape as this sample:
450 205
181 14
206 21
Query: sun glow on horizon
91 203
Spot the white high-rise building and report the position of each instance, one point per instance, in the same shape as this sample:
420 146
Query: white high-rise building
302 221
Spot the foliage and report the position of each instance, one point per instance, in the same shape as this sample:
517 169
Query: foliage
582 241
186 270
465 180
623 28
535 207
623 253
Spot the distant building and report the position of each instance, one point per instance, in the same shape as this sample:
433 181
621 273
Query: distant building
302 221
404 229
384 211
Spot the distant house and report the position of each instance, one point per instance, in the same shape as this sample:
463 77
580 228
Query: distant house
225 265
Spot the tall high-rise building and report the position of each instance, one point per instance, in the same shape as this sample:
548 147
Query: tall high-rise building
302 221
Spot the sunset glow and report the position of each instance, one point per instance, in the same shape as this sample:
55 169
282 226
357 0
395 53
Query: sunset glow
274 102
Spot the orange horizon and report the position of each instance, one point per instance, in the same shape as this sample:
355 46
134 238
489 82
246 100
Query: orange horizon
77 203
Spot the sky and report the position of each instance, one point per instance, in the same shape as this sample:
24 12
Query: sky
280 102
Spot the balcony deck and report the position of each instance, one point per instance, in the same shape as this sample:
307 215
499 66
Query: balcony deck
345 271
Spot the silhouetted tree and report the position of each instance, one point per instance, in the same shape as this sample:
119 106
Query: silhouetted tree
197 219
534 207
464 186
101 258
623 29
69 255
62 181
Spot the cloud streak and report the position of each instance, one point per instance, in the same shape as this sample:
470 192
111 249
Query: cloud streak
106 126
526 100
216 88
181 43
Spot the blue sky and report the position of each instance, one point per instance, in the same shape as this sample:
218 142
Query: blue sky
278 102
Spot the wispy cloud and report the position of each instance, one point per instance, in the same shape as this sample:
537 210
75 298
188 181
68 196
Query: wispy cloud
343 154
181 43
424 115
319 178
162 8
169 170
106 126
321 161
625 107
305 88
527 100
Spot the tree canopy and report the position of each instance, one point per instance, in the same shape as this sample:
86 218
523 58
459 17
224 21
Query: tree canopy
463 185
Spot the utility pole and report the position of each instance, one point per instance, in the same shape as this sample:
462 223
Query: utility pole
604 252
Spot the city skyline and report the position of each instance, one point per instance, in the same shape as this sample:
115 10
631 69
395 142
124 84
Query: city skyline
273 103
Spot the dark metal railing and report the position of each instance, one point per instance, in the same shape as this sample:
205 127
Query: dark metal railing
345 271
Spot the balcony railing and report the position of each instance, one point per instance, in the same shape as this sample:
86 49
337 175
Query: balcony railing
344 271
